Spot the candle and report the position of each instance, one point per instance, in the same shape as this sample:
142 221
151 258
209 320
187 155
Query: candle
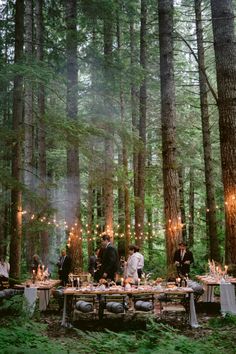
178 281
217 269
77 282
33 271
122 281
226 269
138 281
43 268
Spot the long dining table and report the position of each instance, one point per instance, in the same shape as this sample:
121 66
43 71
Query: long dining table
39 289
131 293
210 282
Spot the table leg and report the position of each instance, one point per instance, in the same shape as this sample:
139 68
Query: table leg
63 323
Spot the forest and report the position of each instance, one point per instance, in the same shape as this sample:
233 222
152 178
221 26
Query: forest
117 117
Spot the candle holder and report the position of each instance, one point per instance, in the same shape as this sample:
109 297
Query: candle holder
33 277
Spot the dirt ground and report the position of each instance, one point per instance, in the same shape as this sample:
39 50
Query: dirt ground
52 317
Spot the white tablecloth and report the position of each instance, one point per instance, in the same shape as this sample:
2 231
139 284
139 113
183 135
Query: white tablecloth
193 317
30 296
208 295
227 298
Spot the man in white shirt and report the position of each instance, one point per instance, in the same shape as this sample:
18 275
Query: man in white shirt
140 261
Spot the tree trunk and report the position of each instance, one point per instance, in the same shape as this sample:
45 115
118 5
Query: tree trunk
140 205
42 164
73 173
191 208
90 217
16 193
124 163
225 56
109 148
209 176
29 130
182 204
134 113
168 120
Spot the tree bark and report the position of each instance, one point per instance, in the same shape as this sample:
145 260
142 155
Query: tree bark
182 204
225 57
124 163
16 193
191 208
29 131
73 172
206 135
42 163
140 205
109 148
168 121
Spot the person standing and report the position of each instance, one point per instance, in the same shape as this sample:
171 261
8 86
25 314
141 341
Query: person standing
131 267
140 261
36 263
64 267
4 273
182 259
109 260
4 268
92 266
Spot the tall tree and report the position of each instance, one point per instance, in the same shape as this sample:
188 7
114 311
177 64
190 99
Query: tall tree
29 127
206 135
73 171
42 163
16 193
109 145
140 204
125 205
168 121
182 203
191 208
225 57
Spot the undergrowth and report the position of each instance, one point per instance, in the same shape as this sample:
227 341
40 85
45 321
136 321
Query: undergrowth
20 334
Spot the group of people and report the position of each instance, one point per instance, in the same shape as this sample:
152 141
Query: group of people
105 262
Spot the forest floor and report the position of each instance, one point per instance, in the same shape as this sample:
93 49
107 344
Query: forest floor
205 313
141 334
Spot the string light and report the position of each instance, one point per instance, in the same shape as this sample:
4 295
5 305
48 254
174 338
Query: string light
160 231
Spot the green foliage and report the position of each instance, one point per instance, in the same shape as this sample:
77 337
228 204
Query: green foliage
228 320
13 306
26 338
30 337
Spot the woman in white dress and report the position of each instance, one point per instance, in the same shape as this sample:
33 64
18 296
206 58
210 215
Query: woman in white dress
131 267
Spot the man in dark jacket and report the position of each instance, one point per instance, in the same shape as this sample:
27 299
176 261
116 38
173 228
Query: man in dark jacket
110 260
64 267
182 259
